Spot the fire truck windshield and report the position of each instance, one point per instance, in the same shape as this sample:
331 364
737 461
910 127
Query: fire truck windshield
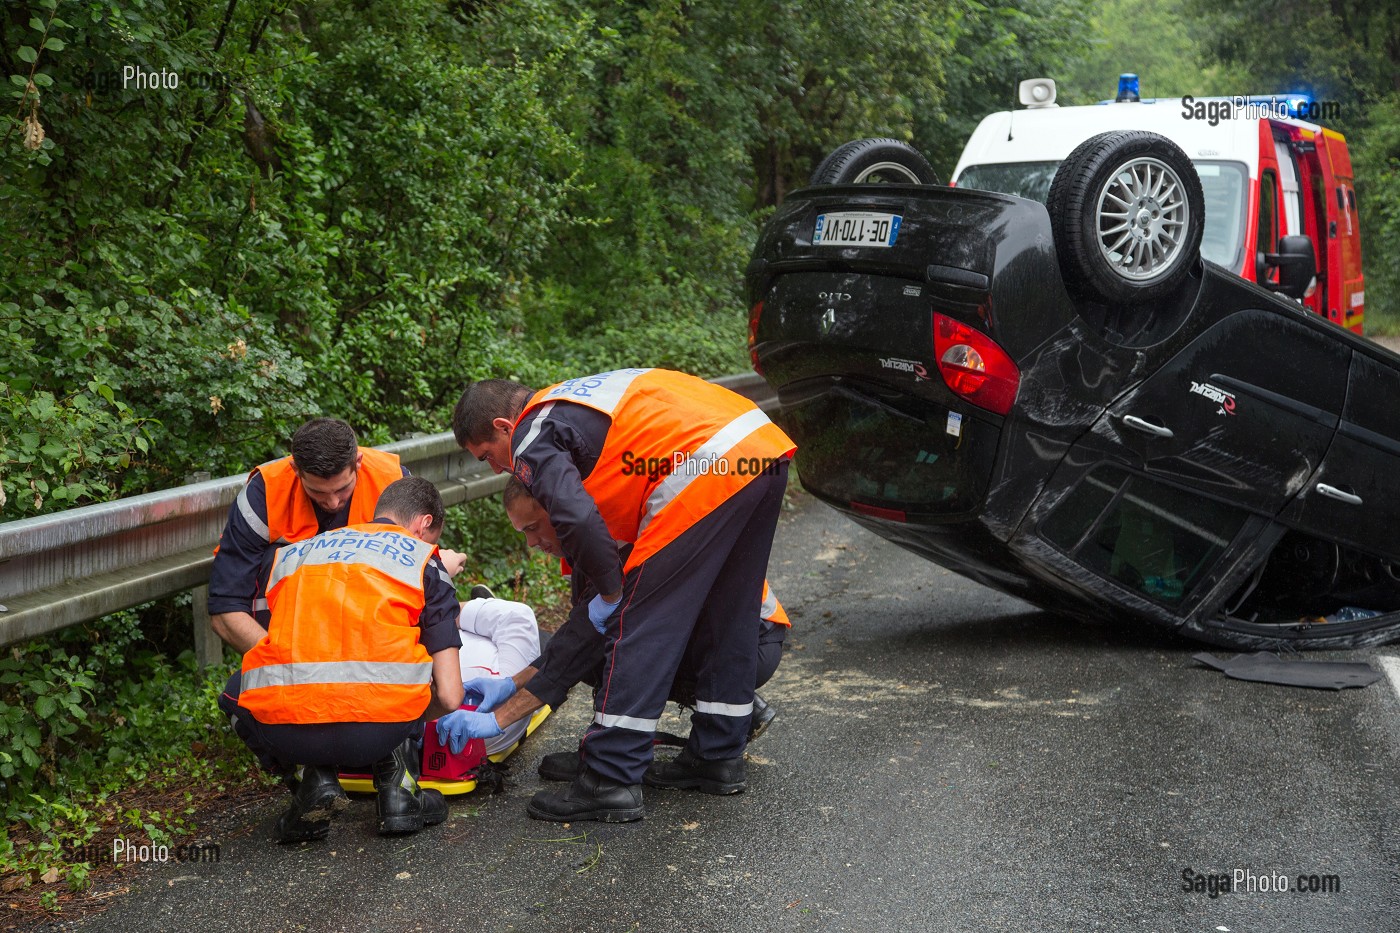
1223 183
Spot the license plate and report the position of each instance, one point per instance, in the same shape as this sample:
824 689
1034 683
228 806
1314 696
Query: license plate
856 228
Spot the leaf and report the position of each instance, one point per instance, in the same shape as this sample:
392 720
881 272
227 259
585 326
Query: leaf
42 80
37 24
26 53
19 80
54 43
44 707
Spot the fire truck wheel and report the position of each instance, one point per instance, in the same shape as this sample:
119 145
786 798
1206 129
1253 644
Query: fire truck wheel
1127 213
874 161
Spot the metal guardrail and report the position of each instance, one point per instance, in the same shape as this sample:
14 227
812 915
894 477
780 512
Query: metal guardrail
69 567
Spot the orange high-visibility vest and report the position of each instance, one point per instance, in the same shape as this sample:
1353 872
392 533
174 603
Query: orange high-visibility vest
290 516
677 448
342 645
771 610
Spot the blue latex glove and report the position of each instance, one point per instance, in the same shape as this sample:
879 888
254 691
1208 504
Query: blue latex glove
599 609
459 727
493 691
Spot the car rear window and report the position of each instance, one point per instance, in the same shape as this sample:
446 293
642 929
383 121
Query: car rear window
868 445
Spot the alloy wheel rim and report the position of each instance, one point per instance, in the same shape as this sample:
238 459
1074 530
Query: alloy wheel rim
1142 219
904 173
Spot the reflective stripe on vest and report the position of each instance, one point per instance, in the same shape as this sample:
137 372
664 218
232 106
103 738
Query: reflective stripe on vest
290 515
677 448
771 610
711 451
337 672
343 643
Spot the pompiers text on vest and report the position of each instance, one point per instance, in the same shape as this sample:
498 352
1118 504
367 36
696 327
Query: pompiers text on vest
687 464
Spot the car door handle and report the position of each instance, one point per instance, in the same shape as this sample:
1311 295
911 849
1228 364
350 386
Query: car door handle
1332 492
1133 421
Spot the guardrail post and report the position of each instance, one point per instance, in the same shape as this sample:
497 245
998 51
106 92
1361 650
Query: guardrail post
208 647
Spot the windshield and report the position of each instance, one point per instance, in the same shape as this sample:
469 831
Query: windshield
1223 184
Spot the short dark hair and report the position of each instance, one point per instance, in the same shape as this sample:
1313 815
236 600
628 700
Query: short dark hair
483 402
515 491
324 447
405 499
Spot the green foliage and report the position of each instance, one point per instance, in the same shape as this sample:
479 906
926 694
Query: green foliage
88 714
995 46
1176 62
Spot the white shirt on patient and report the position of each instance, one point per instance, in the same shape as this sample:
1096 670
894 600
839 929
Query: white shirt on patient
500 638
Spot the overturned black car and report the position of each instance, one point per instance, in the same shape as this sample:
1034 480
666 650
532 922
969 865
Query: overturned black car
1064 402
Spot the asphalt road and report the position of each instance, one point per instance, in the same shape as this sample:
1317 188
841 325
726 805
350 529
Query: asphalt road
945 758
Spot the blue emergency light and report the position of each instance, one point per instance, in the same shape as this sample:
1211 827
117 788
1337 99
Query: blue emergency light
1127 88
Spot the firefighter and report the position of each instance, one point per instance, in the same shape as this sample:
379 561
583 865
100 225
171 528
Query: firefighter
575 653
692 476
328 482
361 642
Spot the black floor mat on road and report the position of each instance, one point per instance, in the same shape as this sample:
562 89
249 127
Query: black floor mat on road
1266 668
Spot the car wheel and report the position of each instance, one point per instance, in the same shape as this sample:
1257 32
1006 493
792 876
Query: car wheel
874 161
1127 213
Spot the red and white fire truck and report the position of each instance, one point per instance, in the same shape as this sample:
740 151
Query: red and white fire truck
1268 173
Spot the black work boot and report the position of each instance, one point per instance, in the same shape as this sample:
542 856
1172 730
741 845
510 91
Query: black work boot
482 591
687 772
590 797
559 766
763 714
316 798
403 806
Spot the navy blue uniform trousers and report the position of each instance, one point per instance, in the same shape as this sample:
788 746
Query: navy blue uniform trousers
280 747
702 591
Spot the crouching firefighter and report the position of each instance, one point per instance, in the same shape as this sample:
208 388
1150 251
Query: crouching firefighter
361 643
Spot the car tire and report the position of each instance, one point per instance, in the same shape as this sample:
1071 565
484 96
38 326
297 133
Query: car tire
874 161
1127 213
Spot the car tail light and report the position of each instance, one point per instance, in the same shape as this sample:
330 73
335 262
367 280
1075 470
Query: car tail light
973 366
753 337
894 515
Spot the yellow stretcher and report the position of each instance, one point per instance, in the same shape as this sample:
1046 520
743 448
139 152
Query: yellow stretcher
364 783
